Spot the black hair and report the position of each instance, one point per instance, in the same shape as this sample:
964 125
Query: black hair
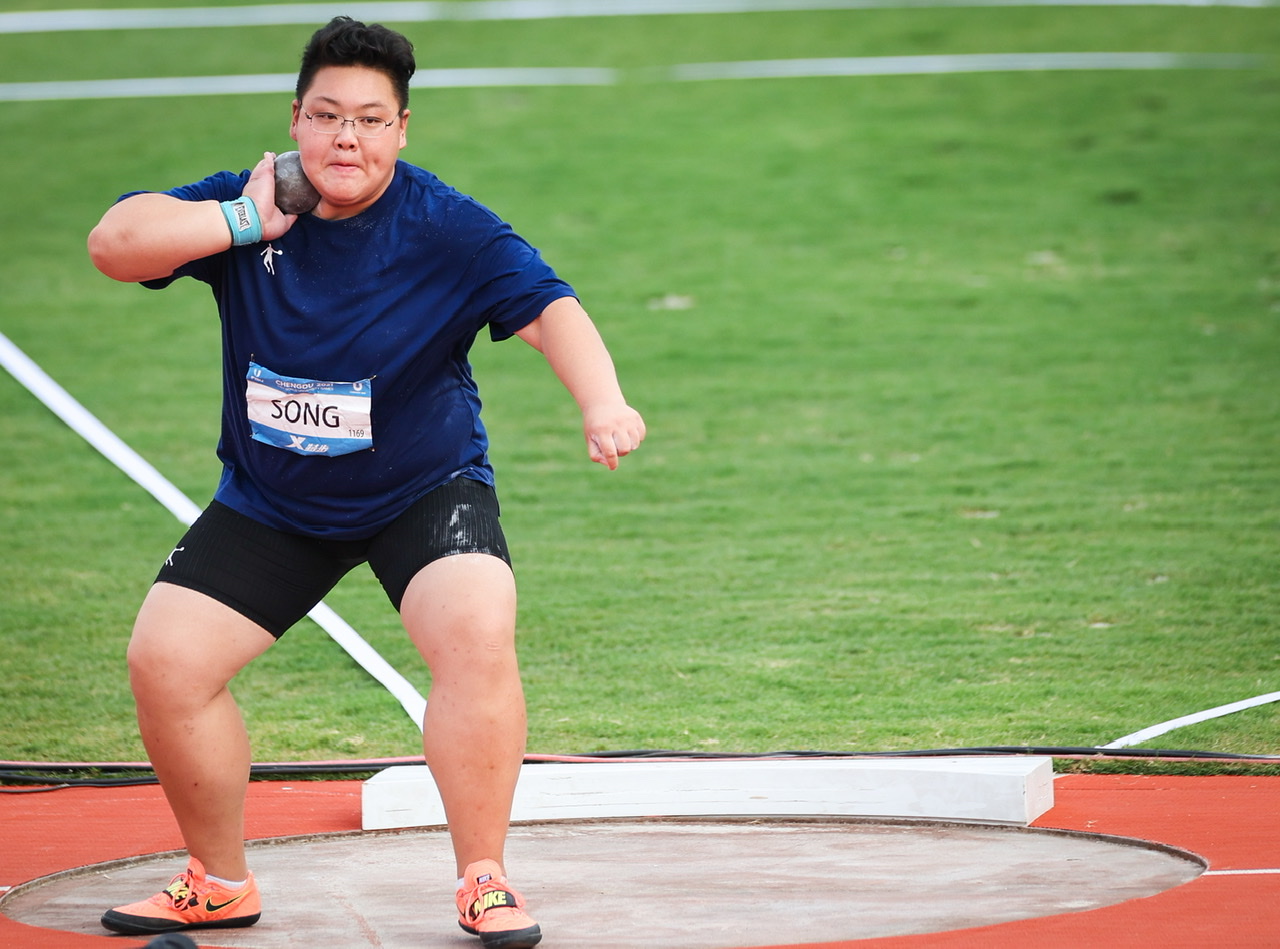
347 42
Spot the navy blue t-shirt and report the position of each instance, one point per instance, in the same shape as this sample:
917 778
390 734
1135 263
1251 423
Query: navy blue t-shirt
388 302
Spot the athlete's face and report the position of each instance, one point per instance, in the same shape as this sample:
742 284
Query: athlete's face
350 171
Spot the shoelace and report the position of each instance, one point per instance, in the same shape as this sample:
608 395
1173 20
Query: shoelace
179 889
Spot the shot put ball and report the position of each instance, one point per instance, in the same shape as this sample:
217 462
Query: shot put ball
294 193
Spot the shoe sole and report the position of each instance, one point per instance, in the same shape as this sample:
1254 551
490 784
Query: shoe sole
147 926
512 939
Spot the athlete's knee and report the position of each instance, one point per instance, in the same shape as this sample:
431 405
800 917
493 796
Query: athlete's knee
168 664
159 671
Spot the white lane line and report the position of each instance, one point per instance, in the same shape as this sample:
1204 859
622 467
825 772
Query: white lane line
282 14
146 88
286 82
927 65
689 72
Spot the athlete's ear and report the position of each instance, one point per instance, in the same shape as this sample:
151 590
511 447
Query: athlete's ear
293 122
404 128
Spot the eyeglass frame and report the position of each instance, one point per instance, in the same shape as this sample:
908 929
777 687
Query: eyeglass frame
354 127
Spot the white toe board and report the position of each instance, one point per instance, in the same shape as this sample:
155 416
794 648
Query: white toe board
1005 790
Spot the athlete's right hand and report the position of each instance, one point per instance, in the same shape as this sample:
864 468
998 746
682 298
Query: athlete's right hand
261 187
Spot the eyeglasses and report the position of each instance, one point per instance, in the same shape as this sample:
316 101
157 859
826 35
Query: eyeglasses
366 126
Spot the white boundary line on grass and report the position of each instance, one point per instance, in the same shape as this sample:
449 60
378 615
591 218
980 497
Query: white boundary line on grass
688 72
287 82
936 65
23 368
280 14
1196 717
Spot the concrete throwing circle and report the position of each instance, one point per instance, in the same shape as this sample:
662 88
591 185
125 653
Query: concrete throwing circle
665 883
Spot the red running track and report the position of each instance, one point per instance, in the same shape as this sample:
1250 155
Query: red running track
1232 822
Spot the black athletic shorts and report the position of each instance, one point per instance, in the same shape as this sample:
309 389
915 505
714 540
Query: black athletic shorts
275 578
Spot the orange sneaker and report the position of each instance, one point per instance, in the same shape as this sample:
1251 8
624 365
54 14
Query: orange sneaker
490 908
190 901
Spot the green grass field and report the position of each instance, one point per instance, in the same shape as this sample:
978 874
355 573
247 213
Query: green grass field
963 391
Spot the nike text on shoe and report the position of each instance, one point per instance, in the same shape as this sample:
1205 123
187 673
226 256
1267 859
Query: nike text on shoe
490 908
190 901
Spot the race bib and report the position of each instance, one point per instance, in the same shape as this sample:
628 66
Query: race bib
308 416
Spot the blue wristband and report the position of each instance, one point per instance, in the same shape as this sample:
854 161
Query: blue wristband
242 218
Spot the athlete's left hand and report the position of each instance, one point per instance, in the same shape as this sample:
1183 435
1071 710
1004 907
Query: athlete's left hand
612 431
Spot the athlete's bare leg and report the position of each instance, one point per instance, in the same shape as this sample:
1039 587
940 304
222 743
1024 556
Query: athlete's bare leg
460 612
186 648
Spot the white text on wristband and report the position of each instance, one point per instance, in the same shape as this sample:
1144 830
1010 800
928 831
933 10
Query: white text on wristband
242 218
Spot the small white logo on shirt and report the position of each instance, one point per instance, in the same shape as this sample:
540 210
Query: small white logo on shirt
269 259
